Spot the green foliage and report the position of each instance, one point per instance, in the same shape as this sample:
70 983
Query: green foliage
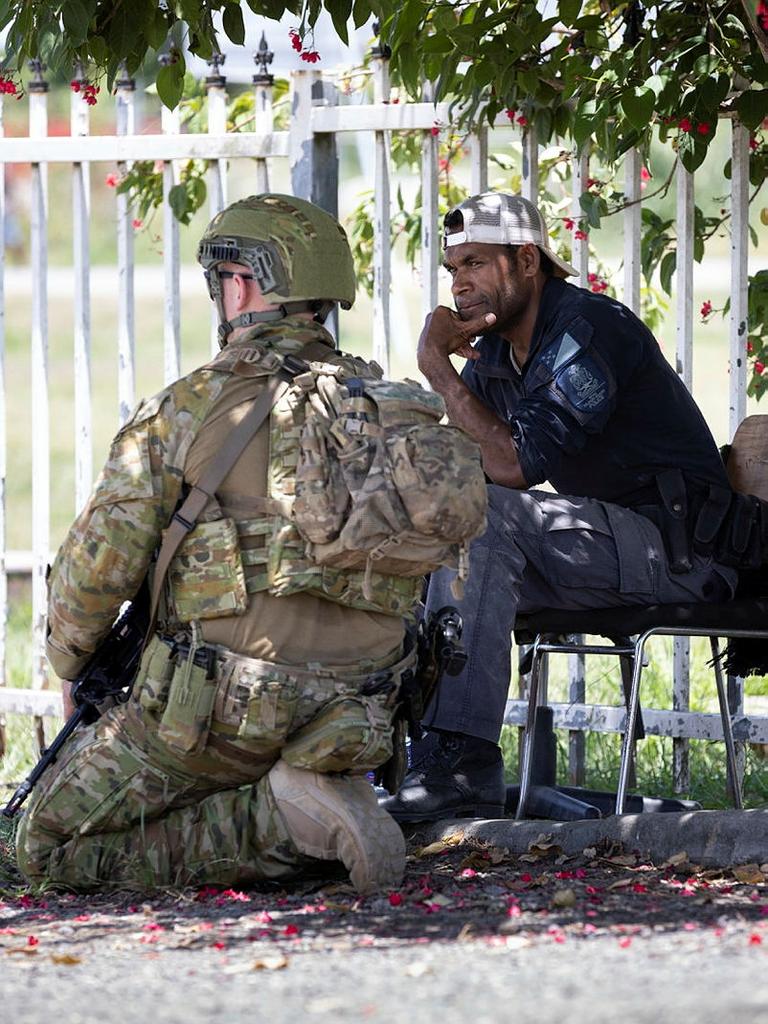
604 74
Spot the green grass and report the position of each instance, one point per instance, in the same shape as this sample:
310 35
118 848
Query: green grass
654 754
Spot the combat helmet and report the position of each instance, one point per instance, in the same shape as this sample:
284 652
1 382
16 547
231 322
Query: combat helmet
298 255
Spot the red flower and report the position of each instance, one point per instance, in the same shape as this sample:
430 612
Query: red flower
291 929
625 942
755 939
445 165
759 367
33 940
295 38
591 182
685 125
435 129
703 128
706 308
753 143
395 899
750 348
111 180
568 224
510 112
7 86
74 85
136 223
580 235
310 56
522 121
645 174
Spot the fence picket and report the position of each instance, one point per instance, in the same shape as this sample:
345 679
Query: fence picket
632 222
264 122
478 161
216 98
38 128
81 206
3 456
382 251
577 683
125 114
738 323
430 230
681 650
531 164
171 318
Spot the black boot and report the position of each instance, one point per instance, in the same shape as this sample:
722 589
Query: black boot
458 777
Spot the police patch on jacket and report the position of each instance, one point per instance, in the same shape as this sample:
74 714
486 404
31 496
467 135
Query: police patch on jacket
578 378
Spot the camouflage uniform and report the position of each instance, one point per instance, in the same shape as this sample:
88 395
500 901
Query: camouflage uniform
142 797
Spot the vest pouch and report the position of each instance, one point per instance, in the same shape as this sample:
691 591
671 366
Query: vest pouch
154 678
186 719
269 713
206 579
322 496
440 481
352 732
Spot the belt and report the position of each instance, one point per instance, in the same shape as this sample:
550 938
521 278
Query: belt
212 656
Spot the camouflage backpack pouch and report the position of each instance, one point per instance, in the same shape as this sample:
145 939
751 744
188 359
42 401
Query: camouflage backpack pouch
382 483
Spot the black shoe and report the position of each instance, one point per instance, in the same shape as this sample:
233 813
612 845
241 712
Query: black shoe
459 777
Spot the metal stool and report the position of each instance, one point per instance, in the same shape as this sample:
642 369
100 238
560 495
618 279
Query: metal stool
629 629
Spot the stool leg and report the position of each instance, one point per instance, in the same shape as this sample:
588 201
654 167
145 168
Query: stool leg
725 715
527 758
629 732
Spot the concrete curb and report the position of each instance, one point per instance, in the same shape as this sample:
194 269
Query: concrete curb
713 839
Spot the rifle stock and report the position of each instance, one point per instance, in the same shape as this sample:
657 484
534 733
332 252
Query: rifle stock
109 673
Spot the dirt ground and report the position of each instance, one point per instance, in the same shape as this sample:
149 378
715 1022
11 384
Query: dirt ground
463 892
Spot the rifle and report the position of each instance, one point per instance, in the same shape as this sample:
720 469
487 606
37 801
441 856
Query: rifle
439 652
109 673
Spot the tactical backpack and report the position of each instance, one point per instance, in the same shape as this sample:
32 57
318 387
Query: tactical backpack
381 483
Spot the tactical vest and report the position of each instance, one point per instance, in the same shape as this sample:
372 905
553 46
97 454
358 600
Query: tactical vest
226 558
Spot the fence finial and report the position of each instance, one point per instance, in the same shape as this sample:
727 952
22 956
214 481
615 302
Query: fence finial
215 63
124 81
262 58
380 50
79 73
38 83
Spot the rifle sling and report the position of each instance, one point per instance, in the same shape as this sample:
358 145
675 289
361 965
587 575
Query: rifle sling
185 518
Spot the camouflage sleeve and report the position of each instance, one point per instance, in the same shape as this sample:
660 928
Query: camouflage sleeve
108 549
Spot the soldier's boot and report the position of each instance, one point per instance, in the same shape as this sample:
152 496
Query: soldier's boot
455 776
334 817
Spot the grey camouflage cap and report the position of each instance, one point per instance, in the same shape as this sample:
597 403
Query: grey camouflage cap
498 218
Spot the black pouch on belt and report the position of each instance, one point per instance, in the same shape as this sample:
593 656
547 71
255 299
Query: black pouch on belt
674 519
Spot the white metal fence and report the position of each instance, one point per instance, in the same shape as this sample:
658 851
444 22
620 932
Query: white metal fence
318 118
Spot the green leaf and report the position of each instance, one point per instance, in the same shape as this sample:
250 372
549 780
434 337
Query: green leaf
340 11
569 11
170 83
97 48
122 29
666 270
157 29
361 12
752 107
233 23
179 203
76 17
638 102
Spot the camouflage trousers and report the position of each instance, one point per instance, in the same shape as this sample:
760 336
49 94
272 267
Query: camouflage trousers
161 791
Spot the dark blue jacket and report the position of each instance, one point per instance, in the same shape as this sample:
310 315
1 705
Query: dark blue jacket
596 410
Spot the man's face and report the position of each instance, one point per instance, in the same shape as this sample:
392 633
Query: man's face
485 279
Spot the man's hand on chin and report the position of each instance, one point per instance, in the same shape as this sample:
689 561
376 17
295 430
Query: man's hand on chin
446 333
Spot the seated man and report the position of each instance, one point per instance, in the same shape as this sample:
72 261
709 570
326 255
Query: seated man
569 387
185 783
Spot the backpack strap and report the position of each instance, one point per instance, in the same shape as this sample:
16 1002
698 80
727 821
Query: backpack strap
185 518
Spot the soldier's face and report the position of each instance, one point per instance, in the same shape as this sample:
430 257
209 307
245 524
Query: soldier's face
487 279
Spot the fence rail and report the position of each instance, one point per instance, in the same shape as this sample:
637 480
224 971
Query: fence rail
319 116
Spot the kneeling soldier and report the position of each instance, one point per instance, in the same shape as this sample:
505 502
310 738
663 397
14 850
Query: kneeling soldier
231 760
